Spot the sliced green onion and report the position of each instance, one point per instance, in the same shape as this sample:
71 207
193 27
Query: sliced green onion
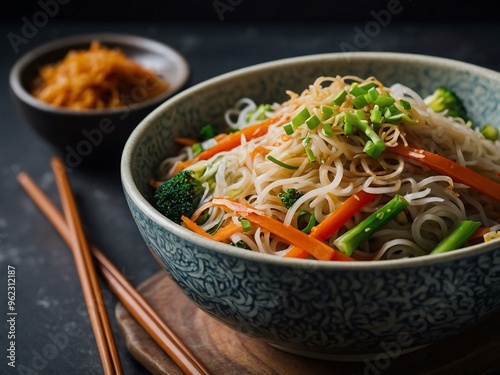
312 122
369 86
327 129
372 95
281 164
310 155
350 240
288 128
360 114
305 141
359 102
376 115
490 132
215 228
405 104
356 90
327 112
300 117
347 128
245 224
384 100
339 99
454 240
310 223
375 146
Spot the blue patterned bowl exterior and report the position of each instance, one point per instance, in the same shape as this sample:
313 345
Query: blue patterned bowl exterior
319 309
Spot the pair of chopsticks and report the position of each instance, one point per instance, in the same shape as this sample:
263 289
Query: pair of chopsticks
70 228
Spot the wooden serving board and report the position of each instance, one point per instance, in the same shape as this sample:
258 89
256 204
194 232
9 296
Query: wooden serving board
227 352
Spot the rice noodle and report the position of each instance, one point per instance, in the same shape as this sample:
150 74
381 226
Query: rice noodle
436 203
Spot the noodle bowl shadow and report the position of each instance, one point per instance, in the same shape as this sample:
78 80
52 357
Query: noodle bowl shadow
328 310
94 137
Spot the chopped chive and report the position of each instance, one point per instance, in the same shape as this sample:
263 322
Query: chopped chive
245 224
312 122
405 104
327 112
357 90
327 130
371 95
456 238
281 164
300 117
384 100
360 114
375 146
310 223
339 99
347 128
490 132
305 141
350 241
376 115
369 86
288 128
359 102
310 155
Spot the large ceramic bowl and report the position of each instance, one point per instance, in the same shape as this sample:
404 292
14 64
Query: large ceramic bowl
339 311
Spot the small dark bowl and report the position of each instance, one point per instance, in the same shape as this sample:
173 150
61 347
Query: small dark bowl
93 137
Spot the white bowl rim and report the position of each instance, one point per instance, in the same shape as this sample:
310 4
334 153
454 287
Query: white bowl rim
156 46
273 260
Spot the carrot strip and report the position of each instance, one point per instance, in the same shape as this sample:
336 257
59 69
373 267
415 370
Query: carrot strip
221 235
335 221
457 172
316 248
185 141
230 141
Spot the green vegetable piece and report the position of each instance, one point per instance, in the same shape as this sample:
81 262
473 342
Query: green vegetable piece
241 244
327 129
350 240
310 155
339 99
405 104
372 95
456 238
312 122
305 141
281 164
246 224
290 196
376 116
327 112
206 132
261 109
347 128
490 132
359 102
300 117
310 223
357 90
384 100
445 99
288 128
369 86
375 146
360 114
197 148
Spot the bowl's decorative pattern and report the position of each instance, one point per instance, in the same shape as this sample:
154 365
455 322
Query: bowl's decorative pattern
307 306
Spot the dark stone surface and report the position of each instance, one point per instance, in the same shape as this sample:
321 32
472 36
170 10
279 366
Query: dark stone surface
49 301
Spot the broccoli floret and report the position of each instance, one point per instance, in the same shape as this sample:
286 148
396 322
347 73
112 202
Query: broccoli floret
290 196
181 194
445 99
206 132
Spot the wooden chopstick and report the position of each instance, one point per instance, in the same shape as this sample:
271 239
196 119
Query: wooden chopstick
87 273
145 315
